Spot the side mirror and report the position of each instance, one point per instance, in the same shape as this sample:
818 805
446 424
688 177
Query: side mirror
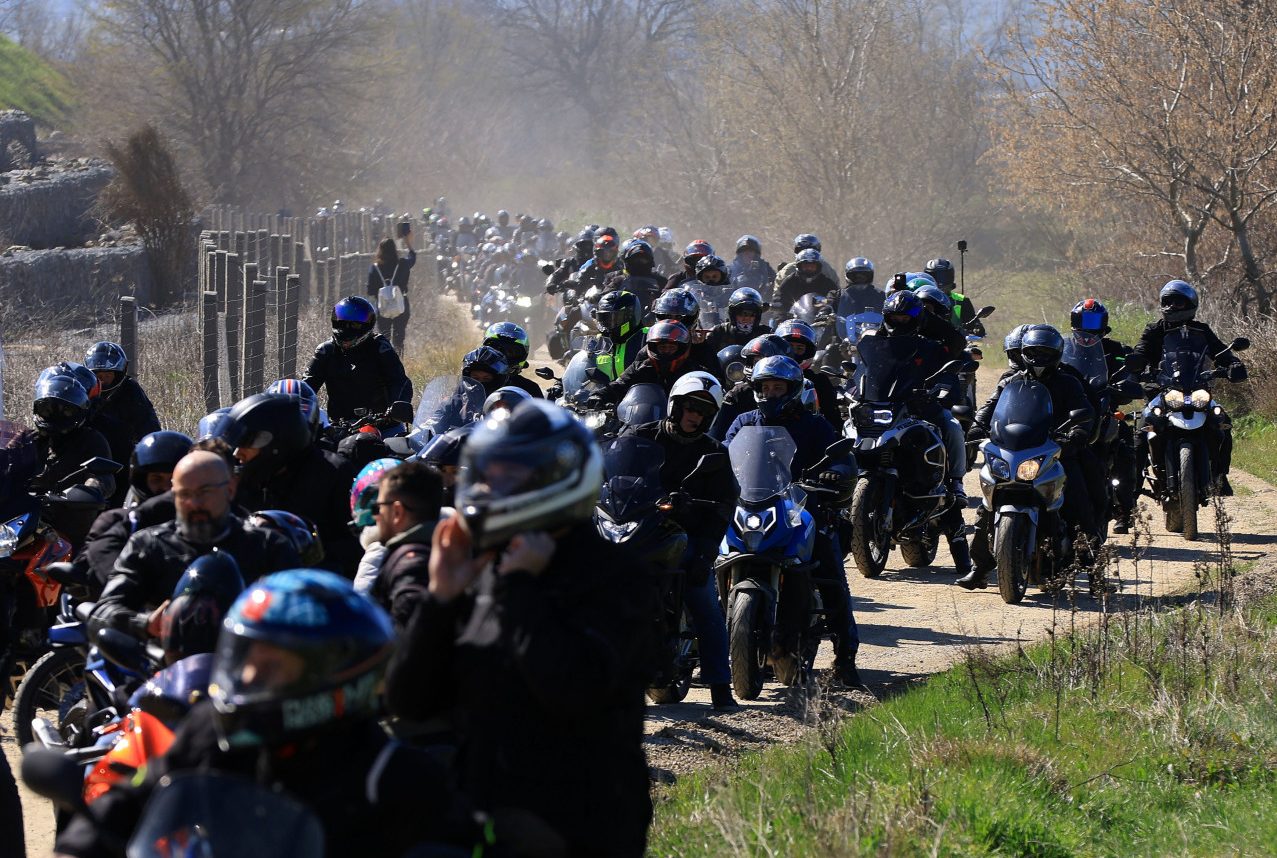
1079 414
544 372
1240 344
100 466
711 463
401 412
840 448
547 268
829 370
1136 363
735 372
53 775
361 413
985 312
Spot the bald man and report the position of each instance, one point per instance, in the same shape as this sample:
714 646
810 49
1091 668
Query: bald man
154 558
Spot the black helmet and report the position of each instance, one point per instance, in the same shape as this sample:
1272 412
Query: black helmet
583 244
618 314
60 404
804 241
203 595
1041 349
801 339
804 260
272 424
694 253
509 339
463 224
1011 345
156 453
859 272
777 368
745 300
354 321
749 242
490 360
538 469
545 225
902 312
713 263
108 357
768 345
443 450
941 270
1090 316
1178 301
303 535
503 217
678 304
638 257
339 641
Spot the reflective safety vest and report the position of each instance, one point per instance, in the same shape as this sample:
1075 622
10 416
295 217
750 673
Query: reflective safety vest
612 364
958 299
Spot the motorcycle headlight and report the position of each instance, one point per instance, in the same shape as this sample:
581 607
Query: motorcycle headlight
999 468
882 416
1028 469
1174 398
618 530
755 522
596 420
1201 399
523 301
8 539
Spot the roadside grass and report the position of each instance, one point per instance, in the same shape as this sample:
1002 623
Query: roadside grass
31 84
1153 733
1255 446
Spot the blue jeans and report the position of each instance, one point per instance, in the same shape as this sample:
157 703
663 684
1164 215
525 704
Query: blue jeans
955 445
706 615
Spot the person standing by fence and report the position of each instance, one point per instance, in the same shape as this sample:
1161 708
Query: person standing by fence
388 288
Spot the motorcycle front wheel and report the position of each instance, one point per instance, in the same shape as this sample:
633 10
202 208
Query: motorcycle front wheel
870 544
1187 491
52 688
921 552
1011 553
747 644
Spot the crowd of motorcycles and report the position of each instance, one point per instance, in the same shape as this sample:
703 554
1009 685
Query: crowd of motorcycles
99 707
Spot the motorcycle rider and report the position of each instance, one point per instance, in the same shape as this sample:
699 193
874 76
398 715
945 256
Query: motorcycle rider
669 356
692 255
406 511
503 224
801 338
530 611
806 274
1041 350
749 270
618 316
466 235
280 467
512 341
300 641
1178 302
154 558
582 251
359 366
63 443
638 274
605 262
808 241
964 317
778 387
740 398
681 305
745 308
122 398
858 294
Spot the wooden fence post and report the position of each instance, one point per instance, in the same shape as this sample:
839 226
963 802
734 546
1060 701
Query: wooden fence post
280 288
254 335
233 319
288 361
128 332
208 332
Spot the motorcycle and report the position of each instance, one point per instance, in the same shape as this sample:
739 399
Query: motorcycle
1022 482
1181 473
900 493
766 556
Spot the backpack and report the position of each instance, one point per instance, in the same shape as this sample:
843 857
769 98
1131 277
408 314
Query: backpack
390 298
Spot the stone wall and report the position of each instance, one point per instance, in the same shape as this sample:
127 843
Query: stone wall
52 204
71 285
17 141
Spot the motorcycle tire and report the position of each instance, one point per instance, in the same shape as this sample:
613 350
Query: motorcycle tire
1011 553
869 548
747 645
1187 491
921 553
53 686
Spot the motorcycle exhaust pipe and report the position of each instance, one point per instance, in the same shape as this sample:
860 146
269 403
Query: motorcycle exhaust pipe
46 735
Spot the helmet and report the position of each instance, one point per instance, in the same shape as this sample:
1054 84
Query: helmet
108 357
337 641
504 397
678 304
493 234
805 259
666 234
941 270
650 234
78 371
488 359
1041 349
1090 316
509 339
1011 345
699 386
60 404
303 535
935 300
156 453
538 469
363 491
606 249
804 241
544 225
618 314
480 218
745 300
768 345
1178 301
902 312
606 230
306 396
638 257
668 331
749 242
354 321
801 339
203 595
775 368
272 424
917 281
463 224
583 244
213 424
859 271
443 450
695 252
503 217
713 263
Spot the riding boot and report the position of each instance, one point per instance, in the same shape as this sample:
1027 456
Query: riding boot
720 695
845 671
961 556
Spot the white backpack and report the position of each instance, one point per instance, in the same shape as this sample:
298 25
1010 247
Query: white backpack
390 298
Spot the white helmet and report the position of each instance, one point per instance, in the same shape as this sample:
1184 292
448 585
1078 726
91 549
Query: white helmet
699 384
667 235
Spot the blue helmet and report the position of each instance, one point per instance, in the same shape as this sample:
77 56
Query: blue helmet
934 299
60 404
1011 345
354 321
1041 349
214 424
1178 301
902 312
305 393
157 452
299 652
777 368
806 240
193 617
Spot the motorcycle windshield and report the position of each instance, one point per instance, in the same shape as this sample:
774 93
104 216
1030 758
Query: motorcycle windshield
437 392
215 815
447 415
855 326
1184 354
631 477
1085 353
761 457
1022 418
643 403
886 371
574 377
808 307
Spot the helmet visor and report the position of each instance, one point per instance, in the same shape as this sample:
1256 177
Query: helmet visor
1175 301
1040 356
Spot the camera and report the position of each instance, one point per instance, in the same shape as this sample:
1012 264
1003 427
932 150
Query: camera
404 228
